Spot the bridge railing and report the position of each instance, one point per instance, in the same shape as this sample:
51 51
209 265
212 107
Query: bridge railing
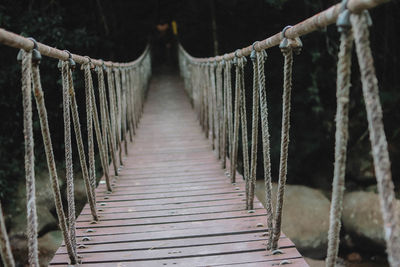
121 90
221 109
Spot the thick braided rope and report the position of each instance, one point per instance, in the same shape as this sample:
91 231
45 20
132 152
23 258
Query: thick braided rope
391 217
99 139
236 123
123 111
5 248
287 87
81 149
219 109
205 100
135 98
266 144
254 136
89 127
118 107
111 118
139 96
216 82
129 106
228 87
224 117
243 117
69 172
29 158
205 96
101 86
214 106
341 138
210 106
39 97
201 91
105 123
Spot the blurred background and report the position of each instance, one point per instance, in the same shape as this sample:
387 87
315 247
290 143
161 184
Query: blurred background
119 31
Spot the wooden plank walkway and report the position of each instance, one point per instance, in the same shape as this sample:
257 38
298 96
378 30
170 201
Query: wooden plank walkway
172 204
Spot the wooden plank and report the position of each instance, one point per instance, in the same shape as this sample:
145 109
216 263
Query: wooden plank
251 223
182 252
173 206
174 243
190 218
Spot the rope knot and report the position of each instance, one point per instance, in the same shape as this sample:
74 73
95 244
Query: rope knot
290 44
253 54
36 56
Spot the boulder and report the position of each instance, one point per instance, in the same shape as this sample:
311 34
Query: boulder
48 245
362 219
45 207
315 263
305 218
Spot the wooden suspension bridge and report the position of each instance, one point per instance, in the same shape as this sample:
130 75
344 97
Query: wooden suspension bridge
172 204
169 202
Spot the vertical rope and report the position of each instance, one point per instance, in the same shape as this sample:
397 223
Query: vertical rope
341 138
99 139
214 106
112 119
81 149
32 223
69 172
39 96
287 51
236 123
219 107
123 111
391 217
206 102
129 105
254 135
5 248
224 114
261 57
105 124
243 117
229 108
118 107
89 125
210 105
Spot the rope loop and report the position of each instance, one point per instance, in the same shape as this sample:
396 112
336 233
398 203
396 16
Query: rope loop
290 44
36 56
71 62
235 59
253 55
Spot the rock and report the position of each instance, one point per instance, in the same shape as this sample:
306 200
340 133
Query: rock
48 245
360 167
19 246
46 221
362 219
44 207
354 257
80 192
305 218
315 263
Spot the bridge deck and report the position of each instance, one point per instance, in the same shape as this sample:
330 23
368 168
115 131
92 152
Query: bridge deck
172 203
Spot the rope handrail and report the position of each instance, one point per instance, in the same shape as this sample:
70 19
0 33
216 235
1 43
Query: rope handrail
316 22
204 74
17 41
126 83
